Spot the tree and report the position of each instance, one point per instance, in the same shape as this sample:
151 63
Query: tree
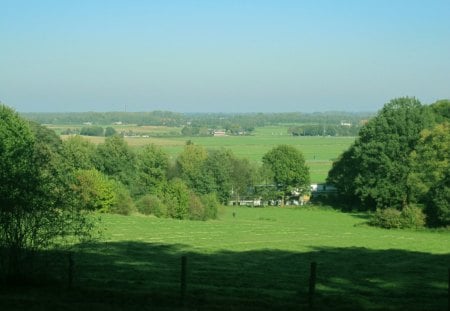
430 161
441 110
243 176
190 168
79 153
438 207
176 198
92 131
218 168
377 165
289 169
152 166
37 207
343 174
95 191
430 171
110 131
115 159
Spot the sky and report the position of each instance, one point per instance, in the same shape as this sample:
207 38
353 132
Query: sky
222 55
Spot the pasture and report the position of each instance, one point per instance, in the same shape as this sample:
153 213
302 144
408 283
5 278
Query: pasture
256 260
319 151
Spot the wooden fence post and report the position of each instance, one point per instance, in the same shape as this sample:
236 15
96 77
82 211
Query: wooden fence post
312 284
183 278
70 272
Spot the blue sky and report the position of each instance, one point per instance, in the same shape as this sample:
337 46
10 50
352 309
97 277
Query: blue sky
222 56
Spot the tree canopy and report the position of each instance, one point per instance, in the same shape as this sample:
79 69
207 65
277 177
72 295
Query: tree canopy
401 158
37 206
288 167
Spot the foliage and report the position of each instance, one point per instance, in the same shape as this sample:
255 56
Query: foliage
78 152
343 174
150 204
176 198
123 203
325 130
211 206
438 207
92 131
430 161
115 159
375 170
441 110
288 167
152 166
37 206
392 218
219 168
190 168
388 218
196 208
95 191
413 217
110 131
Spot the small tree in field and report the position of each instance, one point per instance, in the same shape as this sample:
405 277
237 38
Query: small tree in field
288 168
37 206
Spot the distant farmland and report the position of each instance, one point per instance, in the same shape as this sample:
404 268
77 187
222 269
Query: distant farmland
319 151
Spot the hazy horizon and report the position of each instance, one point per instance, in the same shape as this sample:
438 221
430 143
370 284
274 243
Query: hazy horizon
222 56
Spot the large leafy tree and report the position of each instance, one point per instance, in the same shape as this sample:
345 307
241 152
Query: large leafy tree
152 166
37 207
115 159
190 168
79 153
430 172
375 170
288 167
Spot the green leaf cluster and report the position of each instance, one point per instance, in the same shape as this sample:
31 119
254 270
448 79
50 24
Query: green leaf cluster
400 158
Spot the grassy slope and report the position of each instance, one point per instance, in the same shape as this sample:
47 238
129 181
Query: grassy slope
258 260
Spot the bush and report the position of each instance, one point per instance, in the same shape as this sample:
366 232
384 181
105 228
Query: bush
391 218
388 218
211 205
196 208
412 217
176 198
92 131
151 205
438 207
123 203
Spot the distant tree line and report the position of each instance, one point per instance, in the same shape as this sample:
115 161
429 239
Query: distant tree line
399 165
343 129
202 124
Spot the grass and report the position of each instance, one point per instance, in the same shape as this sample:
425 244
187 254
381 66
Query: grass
319 152
257 260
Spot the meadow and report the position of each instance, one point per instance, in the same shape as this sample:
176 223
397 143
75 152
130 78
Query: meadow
319 152
252 259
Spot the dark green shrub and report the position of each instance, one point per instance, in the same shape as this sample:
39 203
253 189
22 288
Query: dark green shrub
438 206
391 218
196 208
123 203
211 205
110 131
388 218
176 198
151 205
92 131
412 217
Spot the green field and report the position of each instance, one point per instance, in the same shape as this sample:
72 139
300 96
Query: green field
319 152
257 260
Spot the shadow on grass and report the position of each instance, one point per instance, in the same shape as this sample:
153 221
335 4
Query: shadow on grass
144 276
